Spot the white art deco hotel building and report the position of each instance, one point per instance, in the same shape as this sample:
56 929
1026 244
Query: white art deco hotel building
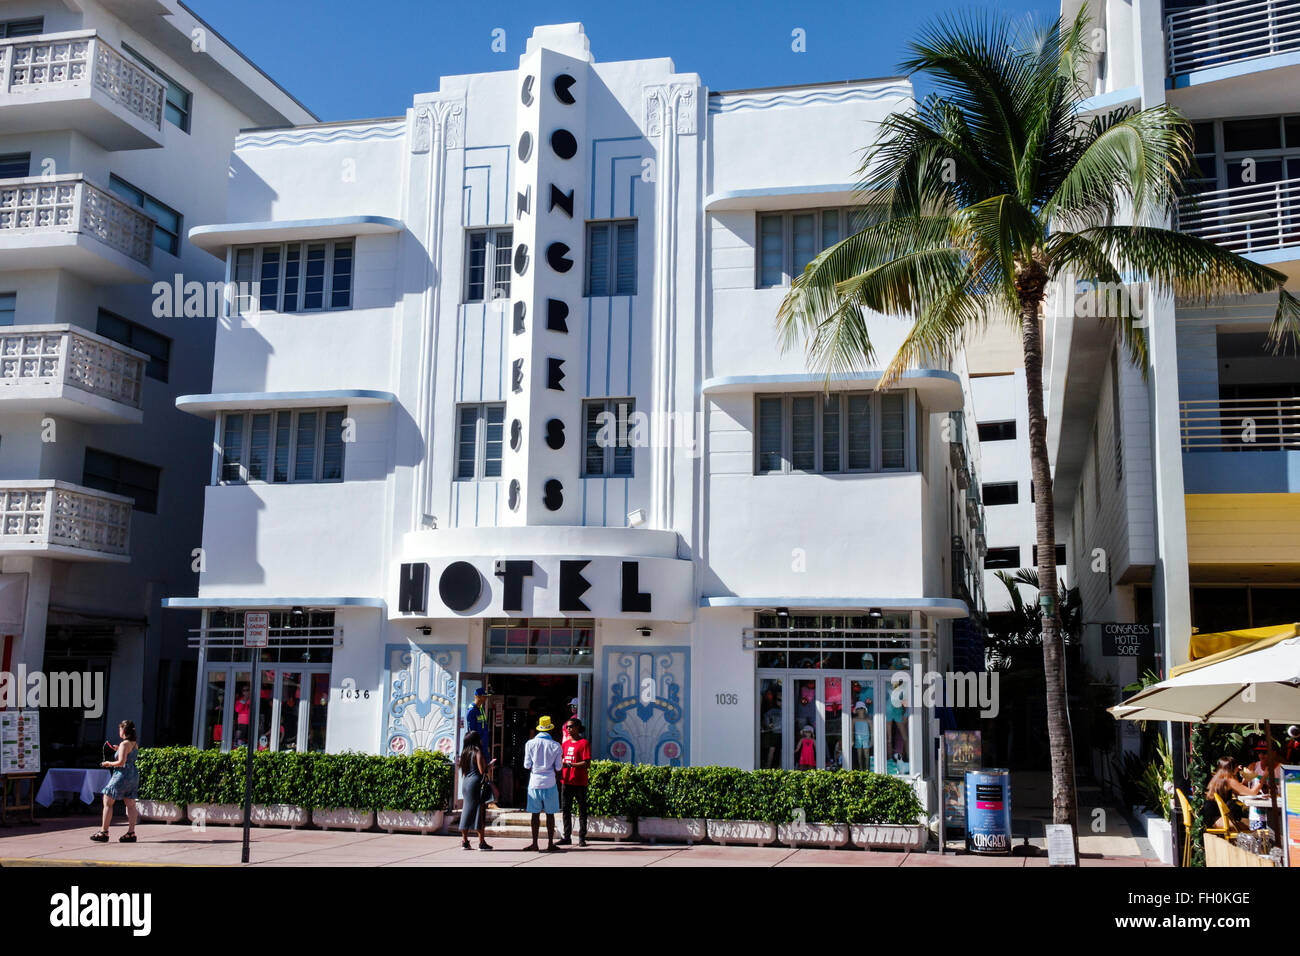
442 313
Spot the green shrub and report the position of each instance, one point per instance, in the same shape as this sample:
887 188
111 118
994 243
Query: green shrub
346 781
419 783
609 783
877 798
165 773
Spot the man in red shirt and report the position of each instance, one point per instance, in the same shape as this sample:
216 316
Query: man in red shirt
573 780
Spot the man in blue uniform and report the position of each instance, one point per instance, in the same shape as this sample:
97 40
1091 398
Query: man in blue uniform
479 718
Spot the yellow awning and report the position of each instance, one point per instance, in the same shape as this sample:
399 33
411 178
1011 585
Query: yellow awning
1211 648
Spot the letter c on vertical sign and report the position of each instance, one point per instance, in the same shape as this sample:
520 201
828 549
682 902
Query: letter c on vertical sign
563 87
526 91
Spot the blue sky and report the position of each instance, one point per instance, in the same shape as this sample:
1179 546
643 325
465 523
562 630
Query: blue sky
350 60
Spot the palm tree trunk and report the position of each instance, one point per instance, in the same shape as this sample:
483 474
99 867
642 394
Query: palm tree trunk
1031 286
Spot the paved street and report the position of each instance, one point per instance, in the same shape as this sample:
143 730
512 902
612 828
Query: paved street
67 839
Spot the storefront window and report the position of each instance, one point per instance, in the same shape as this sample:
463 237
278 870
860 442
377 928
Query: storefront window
833 693
320 701
290 689
215 709
243 706
770 723
863 704
896 738
562 642
805 725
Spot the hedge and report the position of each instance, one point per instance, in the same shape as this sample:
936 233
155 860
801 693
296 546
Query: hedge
423 782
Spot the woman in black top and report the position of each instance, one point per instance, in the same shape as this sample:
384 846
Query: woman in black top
1226 785
474 771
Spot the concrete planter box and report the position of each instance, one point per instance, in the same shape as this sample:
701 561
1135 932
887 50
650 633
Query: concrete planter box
814 834
343 819
608 828
1159 833
888 836
686 830
279 815
741 831
160 810
411 821
226 814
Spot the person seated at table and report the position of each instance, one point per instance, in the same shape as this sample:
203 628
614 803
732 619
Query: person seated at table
1227 786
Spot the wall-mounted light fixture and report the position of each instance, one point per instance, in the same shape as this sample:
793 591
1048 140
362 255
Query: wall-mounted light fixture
425 629
644 630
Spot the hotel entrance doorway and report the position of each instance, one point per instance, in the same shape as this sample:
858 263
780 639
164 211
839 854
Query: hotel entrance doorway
516 705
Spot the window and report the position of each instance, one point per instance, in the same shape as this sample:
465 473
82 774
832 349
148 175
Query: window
997 431
178 99
1001 493
831 434
30 27
1001 558
8 307
611 257
1060 555
480 441
288 445
157 347
122 476
293 277
487 264
607 447
1242 152
167 232
15 165
788 241
534 640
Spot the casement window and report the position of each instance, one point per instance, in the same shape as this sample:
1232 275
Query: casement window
293 277
157 347
15 165
997 431
8 307
285 445
177 103
1060 555
607 445
788 241
1001 559
122 476
167 232
832 434
487 264
1242 152
29 27
1000 493
611 257
480 441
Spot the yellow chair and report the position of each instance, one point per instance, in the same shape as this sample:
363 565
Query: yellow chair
1227 831
1186 806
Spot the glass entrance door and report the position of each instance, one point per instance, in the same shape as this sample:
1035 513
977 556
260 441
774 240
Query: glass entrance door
832 721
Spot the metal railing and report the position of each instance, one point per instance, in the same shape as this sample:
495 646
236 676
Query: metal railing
61 354
74 59
1240 424
1220 33
1245 218
73 204
40 512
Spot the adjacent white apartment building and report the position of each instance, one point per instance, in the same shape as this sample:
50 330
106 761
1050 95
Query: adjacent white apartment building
116 121
500 403
1181 490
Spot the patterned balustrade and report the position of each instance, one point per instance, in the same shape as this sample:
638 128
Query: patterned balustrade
60 354
72 204
69 60
38 514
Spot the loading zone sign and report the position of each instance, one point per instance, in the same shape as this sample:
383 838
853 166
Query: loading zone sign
1126 640
257 628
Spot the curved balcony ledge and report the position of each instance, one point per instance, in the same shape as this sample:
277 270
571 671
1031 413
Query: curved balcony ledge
42 517
938 389
214 239
209 406
779 197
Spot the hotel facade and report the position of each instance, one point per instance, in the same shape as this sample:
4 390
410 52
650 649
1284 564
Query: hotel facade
116 121
498 400
1180 490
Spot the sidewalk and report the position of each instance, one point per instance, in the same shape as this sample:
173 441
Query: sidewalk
66 841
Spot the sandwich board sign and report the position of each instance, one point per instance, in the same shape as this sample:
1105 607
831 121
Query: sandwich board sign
257 628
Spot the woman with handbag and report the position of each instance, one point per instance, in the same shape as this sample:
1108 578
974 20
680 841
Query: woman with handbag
475 790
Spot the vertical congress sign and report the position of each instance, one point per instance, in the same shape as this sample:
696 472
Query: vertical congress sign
544 404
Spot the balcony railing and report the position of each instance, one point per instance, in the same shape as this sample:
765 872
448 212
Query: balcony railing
62 355
68 60
1220 33
1245 218
1245 424
37 205
42 513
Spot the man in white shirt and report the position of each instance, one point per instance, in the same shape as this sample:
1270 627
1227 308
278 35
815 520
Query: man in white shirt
544 758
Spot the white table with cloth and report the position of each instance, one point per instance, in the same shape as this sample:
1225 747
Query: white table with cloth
86 783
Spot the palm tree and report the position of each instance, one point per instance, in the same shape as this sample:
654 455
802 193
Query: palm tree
980 197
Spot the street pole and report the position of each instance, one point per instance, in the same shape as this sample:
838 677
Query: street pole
253 725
